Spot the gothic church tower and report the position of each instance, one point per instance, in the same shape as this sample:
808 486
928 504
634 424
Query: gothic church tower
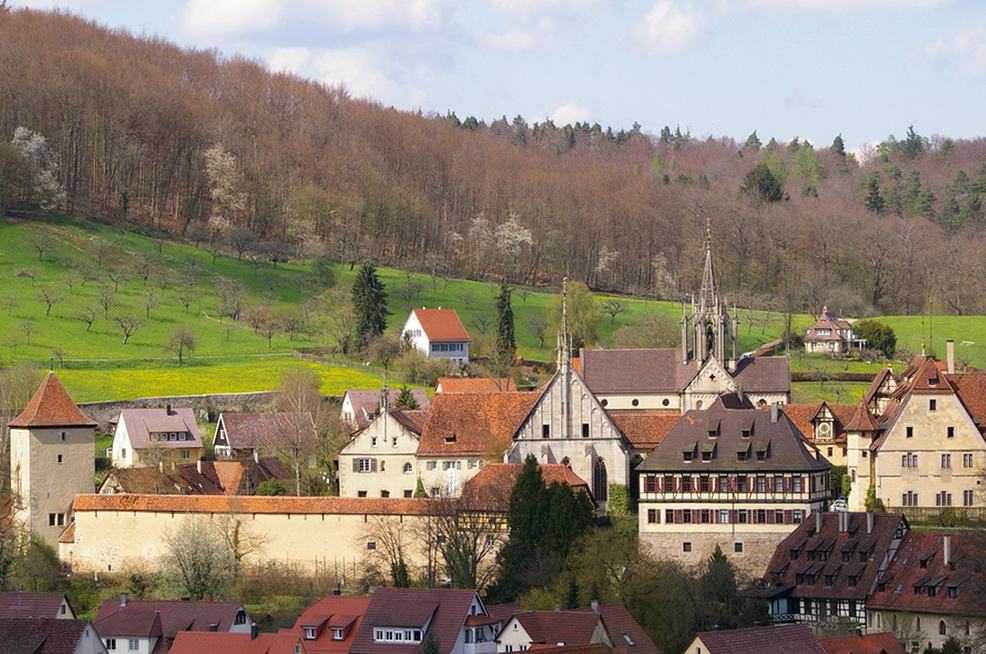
712 332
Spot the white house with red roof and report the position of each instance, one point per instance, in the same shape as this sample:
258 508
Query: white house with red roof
437 333
831 334
155 436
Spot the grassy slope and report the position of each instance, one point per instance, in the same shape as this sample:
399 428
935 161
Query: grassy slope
99 366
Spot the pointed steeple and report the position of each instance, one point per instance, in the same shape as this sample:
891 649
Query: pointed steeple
564 337
708 297
51 406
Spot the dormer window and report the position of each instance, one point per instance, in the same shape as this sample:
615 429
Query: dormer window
338 633
310 633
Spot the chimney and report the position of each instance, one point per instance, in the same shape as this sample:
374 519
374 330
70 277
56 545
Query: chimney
167 409
740 394
946 550
256 456
124 598
869 522
207 598
775 412
198 465
950 356
818 522
595 606
254 630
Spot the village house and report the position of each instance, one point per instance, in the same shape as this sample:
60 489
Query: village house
361 406
475 384
329 626
779 639
150 437
51 460
925 452
607 624
253 434
397 620
931 590
18 604
380 459
882 643
437 333
208 642
149 627
826 569
731 475
824 426
226 477
831 335
43 636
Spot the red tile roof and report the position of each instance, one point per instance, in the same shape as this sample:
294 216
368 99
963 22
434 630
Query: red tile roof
267 431
862 420
366 402
475 384
802 415
332 611
253 504
477 424
885 643
645 428
919 566
490 488
558 627
224 477
31 605
930 379
971 389
51 406
441 325
147 618
448 609
784 639
38 636
623 630
68 536
193 642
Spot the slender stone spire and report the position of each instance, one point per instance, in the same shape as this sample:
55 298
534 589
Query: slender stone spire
564 337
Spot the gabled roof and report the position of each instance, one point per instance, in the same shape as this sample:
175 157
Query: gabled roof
40 636
763 374
441 325
490 488
786 450
783 639
971 389
558 627
448 609
827 320
475 384
194 642
784 569
412 420
149 618
635 371
345 611
223 477
885 643
51 406
271 431
141 423
645 428
31 605
804 415
919 566
366 402
862 420
624 631
474 424
930 378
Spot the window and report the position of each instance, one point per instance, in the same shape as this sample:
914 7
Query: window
186 454
309 633
932 405
59 458
910 432
363 465
385 493
430 465
796 516
941 628
635 402
650 484
723 516
967 460
408 492
796 484
761 516
910 498
946 460
63 435
703 484
741 483
686 547
738 547
123 453
706 516
111 644
778 516
652 516
408 468
585 430
373 442
778 484
669 516
761 484
371 545
742 516
686 484
951 432
56 519
967 498
545 431
361 493
133 644
909 460
436 491
943 499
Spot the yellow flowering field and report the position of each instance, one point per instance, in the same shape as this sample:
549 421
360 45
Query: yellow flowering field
237 377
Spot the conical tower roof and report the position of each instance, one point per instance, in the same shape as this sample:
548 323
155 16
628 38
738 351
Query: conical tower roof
862 420
51 406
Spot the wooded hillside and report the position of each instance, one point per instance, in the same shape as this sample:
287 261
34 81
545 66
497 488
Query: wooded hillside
213 146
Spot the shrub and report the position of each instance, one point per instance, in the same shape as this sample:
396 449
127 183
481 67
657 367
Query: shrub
878 336
272 488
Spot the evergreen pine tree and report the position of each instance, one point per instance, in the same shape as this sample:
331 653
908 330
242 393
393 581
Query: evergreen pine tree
838 146
419 489
405 400
506 341
369 304
762 184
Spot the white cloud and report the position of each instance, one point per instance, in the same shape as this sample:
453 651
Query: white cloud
368 71
351 15
289 60
224 17
841 6
569 114
967 48
668 28
523 11
514 41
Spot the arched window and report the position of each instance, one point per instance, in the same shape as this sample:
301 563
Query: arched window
698 405
600 481
941 627
408 467
565 462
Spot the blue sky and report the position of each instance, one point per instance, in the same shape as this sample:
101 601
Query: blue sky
786 68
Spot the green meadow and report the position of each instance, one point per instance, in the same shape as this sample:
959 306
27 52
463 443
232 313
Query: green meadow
80 268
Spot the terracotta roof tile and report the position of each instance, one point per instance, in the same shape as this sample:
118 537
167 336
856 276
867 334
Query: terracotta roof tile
253 504
477 424
412 420
36 636
885 643
971 389
141 618
267 431
475 384
558 627
68 536
441 325
645 428
490 488
365 402
332 610
31 605
862 420
222 477
51 406
763 374
193 642
393 606
623 630
784 639
930 379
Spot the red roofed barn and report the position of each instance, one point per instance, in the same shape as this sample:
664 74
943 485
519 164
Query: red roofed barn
438 333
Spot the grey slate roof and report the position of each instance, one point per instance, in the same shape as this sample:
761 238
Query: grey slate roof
786 450
636 371
248 431
31 605
42 636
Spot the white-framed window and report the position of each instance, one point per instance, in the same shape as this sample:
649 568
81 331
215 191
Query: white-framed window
111 644
309 633
363 465
408 468
967 498
186 454
133 644
967 460
338 633
946 460
430 465
943 499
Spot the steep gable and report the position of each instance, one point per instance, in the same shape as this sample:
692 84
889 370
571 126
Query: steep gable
441 325
477 423
51 406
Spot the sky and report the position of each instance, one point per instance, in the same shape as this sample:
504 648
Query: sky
812 69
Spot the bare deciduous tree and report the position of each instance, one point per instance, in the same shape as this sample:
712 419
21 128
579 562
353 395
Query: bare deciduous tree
129 324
